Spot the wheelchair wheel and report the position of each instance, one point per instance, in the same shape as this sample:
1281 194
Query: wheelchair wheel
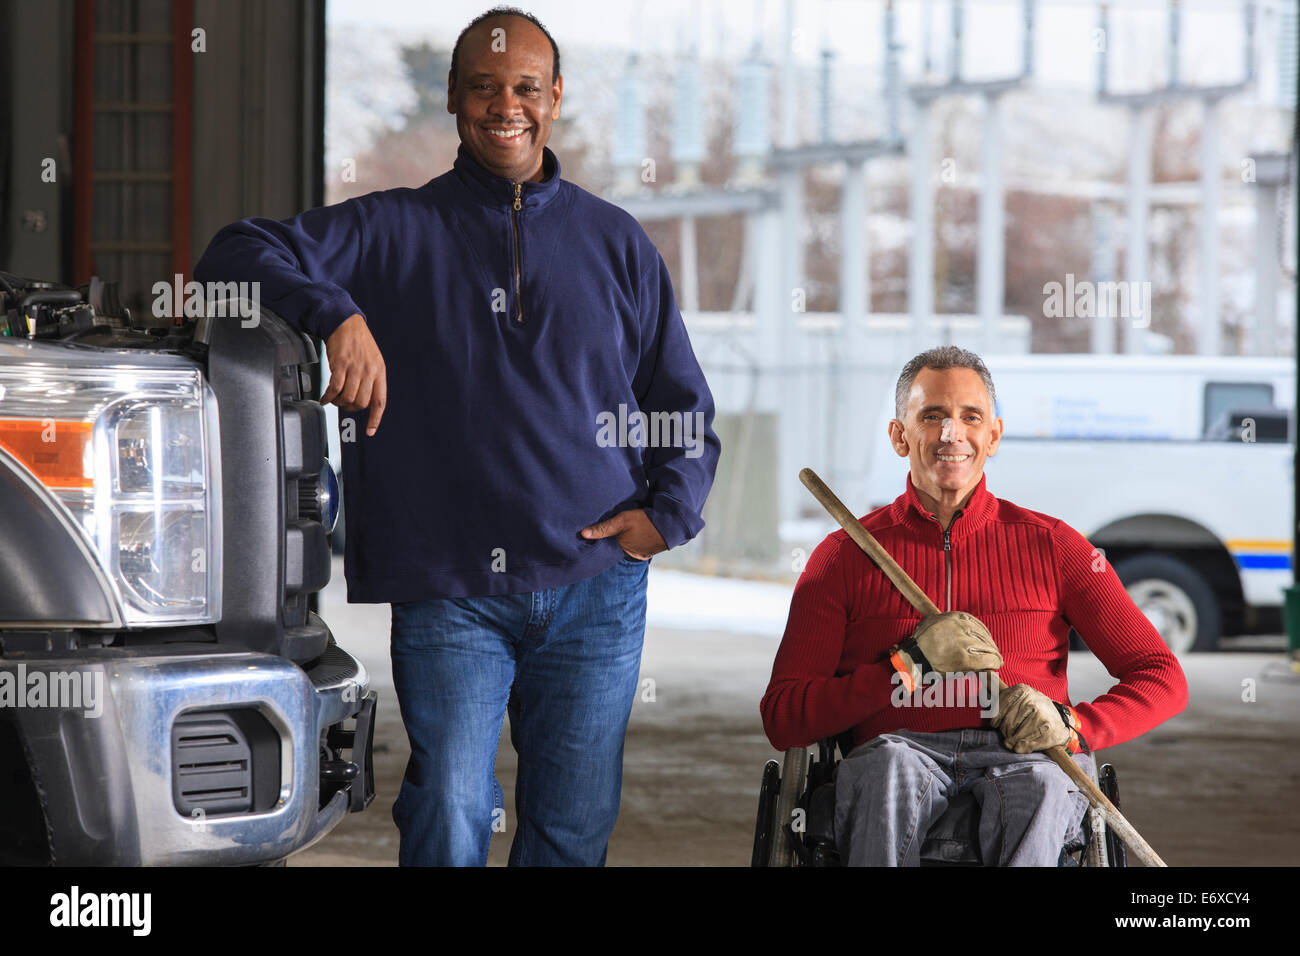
765 825
1117 853
793 776
1104 847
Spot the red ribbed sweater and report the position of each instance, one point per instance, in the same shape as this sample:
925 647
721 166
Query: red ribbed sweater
1027 576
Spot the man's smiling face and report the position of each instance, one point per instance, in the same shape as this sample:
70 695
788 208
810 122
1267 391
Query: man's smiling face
947 432
503 97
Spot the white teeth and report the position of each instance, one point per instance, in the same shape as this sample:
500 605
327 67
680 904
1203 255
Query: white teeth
953 457
506 134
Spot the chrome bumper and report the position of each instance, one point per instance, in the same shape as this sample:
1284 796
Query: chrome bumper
131 818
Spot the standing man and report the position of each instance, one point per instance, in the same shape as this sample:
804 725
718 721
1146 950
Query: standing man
546 429
853 655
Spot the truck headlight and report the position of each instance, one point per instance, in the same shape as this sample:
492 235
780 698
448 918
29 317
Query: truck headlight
133 453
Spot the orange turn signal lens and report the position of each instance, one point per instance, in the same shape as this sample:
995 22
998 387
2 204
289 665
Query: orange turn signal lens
54 450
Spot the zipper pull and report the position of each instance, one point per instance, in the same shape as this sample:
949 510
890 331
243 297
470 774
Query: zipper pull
947 540
518 188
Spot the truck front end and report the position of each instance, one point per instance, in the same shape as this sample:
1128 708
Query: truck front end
167 696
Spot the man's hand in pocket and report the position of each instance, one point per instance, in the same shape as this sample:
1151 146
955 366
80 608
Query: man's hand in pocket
637 535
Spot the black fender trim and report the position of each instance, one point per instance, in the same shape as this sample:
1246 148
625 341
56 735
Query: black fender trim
51 577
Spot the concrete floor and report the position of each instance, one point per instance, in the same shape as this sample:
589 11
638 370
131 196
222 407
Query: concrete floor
1214 786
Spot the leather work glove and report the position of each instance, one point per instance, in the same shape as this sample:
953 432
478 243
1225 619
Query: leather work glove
950 643
1031 721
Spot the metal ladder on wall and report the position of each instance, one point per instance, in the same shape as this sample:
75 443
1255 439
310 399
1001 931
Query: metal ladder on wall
130 147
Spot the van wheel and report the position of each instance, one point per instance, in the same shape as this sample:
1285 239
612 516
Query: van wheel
1176 599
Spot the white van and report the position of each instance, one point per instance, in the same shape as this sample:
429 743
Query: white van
1179 468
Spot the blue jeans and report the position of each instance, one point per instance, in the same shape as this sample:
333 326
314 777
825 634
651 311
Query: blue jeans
891 788
564 662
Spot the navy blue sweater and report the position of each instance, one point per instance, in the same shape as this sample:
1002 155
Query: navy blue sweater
519 410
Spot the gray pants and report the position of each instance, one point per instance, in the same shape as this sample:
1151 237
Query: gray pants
890 789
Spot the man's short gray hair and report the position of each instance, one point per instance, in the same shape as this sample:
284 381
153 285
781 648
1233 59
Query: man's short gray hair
940 359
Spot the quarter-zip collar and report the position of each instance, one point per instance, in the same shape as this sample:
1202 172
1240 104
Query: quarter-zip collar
497 191
976 513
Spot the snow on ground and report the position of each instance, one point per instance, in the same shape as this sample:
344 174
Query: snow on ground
677 600
699 602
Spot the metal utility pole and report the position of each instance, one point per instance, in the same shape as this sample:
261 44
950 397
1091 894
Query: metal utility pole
1141 107
991 250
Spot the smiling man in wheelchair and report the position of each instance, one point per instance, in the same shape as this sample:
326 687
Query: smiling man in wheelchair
928 726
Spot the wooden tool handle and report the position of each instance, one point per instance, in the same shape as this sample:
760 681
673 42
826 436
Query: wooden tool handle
862 537
1101 803
921 601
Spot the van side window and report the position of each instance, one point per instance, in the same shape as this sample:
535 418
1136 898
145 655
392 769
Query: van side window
1224 397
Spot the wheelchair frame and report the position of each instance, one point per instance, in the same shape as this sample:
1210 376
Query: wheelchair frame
787 788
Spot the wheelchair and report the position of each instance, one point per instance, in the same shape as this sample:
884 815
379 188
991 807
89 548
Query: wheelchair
796 817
